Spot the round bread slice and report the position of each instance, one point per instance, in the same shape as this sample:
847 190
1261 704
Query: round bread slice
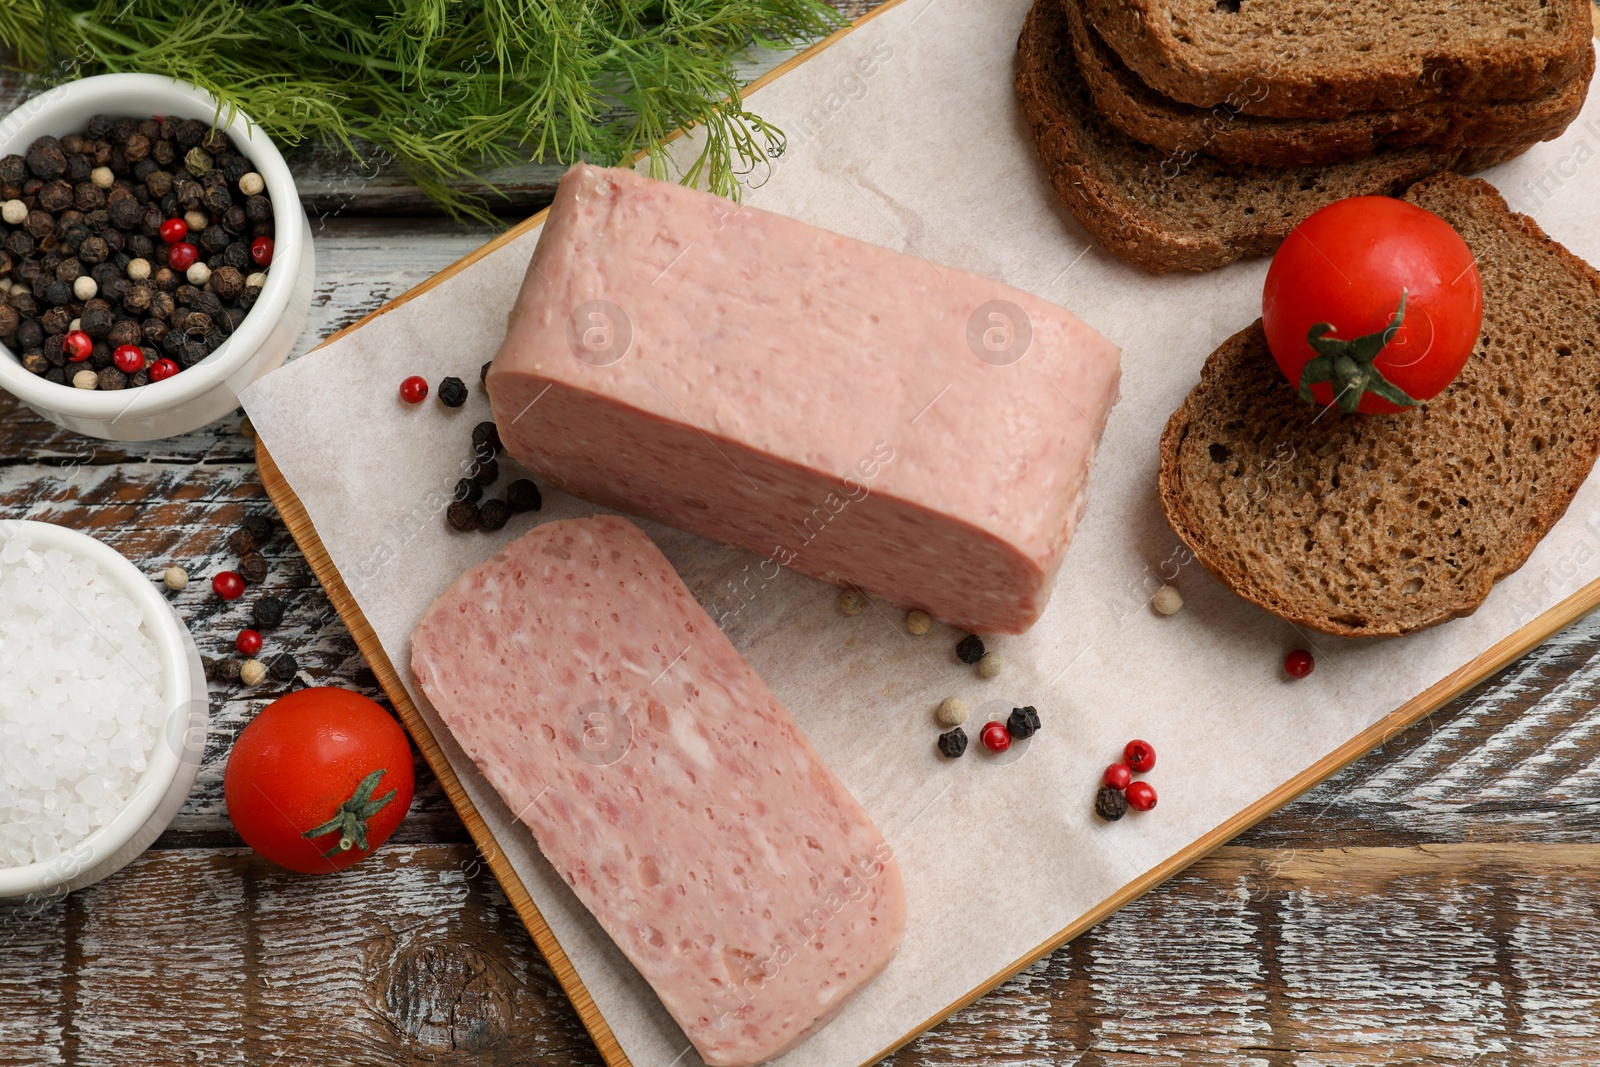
1229 135
1373 525
1183 212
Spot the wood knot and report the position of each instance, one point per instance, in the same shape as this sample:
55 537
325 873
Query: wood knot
445 994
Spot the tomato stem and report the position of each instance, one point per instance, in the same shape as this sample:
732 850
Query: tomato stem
1348 365
350 820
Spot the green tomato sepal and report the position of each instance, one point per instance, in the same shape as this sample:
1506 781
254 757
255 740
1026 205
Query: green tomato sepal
1348 365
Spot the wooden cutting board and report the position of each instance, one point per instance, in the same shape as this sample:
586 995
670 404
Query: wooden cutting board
304 533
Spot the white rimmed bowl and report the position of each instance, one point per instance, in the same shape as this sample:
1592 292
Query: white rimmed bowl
210 389
175 760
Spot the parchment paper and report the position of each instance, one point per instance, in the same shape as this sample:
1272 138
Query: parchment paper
906 134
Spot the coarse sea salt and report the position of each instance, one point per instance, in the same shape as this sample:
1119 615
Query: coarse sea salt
80 701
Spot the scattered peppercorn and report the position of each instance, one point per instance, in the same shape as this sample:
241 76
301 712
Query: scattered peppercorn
1141 796
952 711
227 585
488 472
1140 756
229 670
1299 663
267 612
241 542
1023 723
1110 804
990 664
522 495
970 649
493 515
260 527
469 490
1117 776
248 642
86 379
483 371
462 515
852 602
414 390
486 438
1168 601
261 251
284 668
918 621
175 579
253 568
251 672
995 737
452 392
953 744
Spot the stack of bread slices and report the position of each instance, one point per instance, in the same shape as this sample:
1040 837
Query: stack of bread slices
1184 134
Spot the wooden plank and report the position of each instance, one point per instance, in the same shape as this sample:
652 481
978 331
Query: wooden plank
1448 954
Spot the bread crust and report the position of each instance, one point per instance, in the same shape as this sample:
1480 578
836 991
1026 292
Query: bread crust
1262 573
1180 49
1147 116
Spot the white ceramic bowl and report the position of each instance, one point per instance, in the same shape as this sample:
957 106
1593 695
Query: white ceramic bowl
210 389
175 761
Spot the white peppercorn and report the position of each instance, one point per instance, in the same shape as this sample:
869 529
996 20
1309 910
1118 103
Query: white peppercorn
102 177
138 269
198 274
86 379
196 220
251 672
990 664
175 578
918 621
1167 600
85 287
256 280
952 711
14 212
851 602
75 324
252 184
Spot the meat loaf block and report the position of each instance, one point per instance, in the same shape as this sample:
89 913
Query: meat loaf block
665 783
1222 132
1315 59
862 416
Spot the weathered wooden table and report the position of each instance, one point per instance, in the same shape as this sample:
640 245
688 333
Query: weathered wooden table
1438 902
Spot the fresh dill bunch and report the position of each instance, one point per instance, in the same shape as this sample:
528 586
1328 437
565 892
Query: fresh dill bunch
447 88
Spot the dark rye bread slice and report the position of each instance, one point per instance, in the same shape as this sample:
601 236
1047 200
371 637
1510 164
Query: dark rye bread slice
1223 132
1319 59
1167 212
1370 525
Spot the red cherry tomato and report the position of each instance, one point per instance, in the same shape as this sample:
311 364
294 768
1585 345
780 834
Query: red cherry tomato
1118 776
1347 267
181 256
319 780
1141 796
1140 756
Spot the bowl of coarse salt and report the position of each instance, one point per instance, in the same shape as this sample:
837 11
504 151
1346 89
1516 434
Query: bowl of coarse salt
103 710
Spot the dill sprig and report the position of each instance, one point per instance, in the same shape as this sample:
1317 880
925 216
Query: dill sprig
448 88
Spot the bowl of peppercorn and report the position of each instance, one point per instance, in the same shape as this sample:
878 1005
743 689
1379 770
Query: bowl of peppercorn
154 257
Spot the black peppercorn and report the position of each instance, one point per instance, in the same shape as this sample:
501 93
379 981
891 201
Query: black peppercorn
522 495
1023 722
136 301
267 612
30 334
20 243
462 515
227 283
284 668
57 294
128 213
258 208
469 490
483 373
136 148
228 670
8 320
112 379
57 375
493 515
124 332
488 472
154 330
253 568
192 353
260 526
94 250
486 438
452 391
139 378
953 744
39 223
1110 804
56 321
96 318
34 362
87 196
970 649
237 256
241 542
13 169
214 239
46 159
